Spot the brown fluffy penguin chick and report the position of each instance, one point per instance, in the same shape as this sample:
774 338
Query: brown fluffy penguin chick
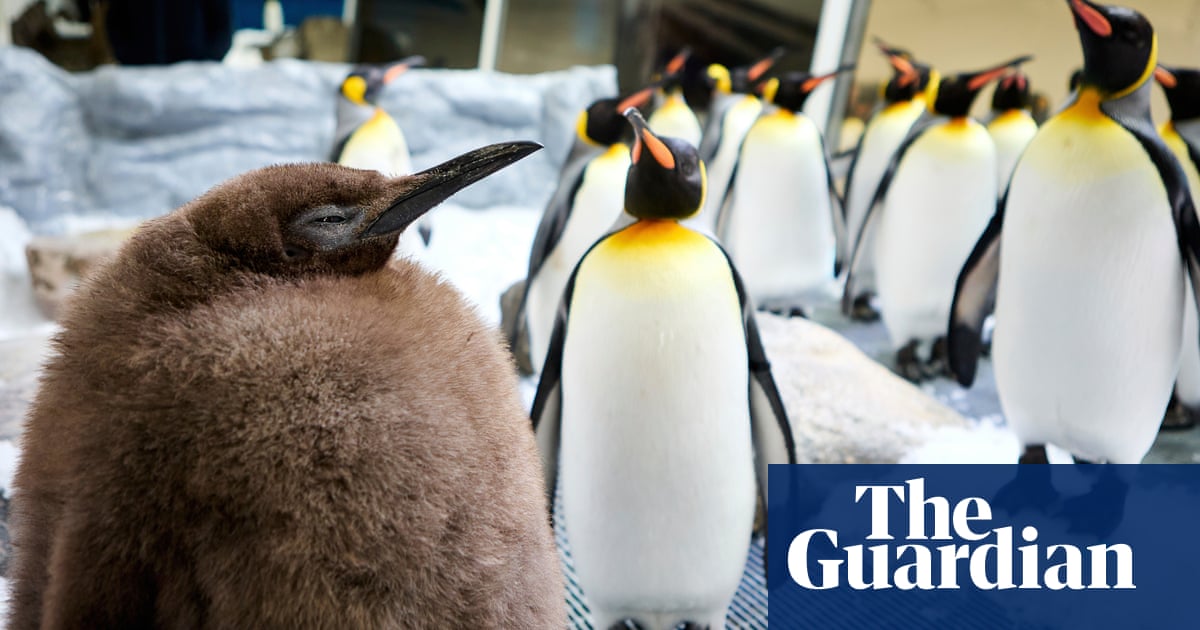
255 420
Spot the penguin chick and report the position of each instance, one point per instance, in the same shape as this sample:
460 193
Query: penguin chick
256 419
367 137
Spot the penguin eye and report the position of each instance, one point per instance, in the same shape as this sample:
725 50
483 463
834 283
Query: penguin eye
333 218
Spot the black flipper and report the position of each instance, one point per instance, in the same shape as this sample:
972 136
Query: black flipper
974 299
725 210
916 131
554 221
774 442
1183 209
838 207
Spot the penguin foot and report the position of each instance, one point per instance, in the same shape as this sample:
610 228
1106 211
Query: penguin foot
862 311
908 364
1178 417
626 624
783 309
1034 454
938 364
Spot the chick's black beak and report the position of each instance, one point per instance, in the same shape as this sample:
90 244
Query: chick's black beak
436 184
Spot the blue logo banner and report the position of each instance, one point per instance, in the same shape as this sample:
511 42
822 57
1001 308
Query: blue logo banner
956 546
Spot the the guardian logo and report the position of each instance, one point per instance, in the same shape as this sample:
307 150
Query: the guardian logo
972 553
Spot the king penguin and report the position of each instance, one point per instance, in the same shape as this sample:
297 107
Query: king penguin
1182 135
1097 228
367 137
735 106
931 204
256 418
782 219
658 395
586 205
904 98
672 116
1011 126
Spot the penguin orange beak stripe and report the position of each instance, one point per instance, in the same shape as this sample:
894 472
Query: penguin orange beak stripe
676 62
645 137
987 76
638 98
1091 16
1164 77
400 68
436 184
811 84
908 73
761 66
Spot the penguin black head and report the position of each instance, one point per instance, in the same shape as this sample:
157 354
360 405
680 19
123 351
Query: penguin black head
792 89
364 83
666 178
1182 87
300 219
1012 92
743 79
602 123
1120 49
953 96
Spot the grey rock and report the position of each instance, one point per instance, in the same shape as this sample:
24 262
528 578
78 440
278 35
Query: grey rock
136 142
844 406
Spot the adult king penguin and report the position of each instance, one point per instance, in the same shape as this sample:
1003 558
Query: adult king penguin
586 205
367 137
1011 126
782 219
672 116
255 418
735 106
1097 228
930 206
1182 135
904 97
658 394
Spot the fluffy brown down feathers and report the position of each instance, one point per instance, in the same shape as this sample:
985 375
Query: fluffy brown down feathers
218 443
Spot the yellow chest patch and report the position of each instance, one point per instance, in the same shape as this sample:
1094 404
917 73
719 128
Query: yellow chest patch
379 133
1085 110
654 258
1081 145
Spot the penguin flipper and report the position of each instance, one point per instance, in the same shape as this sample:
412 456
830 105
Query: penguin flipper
885 182
425 229
725 210
974 299
553 222
1183 208
546 412
838 208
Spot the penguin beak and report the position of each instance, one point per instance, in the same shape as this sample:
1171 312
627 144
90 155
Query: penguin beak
1165 77
638 98
646 138
436 184
982 78
1091 16
908 72
676 62
404 65
761 66
811 84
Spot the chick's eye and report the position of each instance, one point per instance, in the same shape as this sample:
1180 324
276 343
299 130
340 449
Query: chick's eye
330 219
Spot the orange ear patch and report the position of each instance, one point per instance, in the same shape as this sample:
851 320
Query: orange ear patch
661 153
